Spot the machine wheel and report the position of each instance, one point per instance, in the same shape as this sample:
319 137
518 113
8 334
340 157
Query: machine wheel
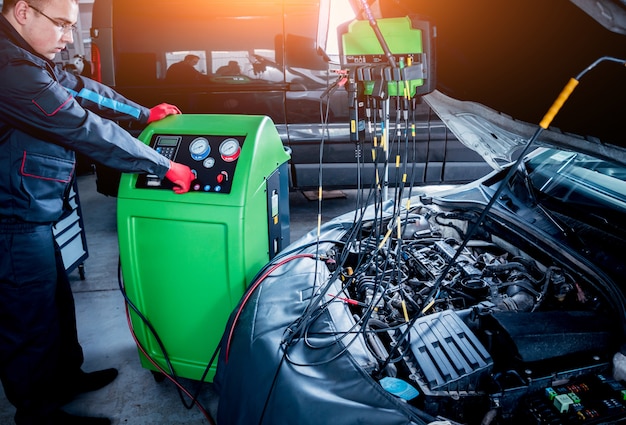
158 376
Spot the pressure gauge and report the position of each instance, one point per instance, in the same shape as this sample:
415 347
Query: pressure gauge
199 148
209 162
230 149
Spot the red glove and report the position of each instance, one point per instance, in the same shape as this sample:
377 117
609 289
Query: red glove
161 111
181 176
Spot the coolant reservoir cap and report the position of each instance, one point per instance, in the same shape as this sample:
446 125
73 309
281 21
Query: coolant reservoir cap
399 388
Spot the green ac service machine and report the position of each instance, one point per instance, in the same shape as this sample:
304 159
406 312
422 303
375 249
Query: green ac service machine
187 259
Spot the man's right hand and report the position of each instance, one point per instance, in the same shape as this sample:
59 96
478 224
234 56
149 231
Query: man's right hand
161 111
181 176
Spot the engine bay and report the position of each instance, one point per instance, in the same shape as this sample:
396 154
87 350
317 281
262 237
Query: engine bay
494 333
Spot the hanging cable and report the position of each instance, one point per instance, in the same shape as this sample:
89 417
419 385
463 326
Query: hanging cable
171 374
544 124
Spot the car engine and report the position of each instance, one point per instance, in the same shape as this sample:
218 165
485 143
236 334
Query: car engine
499 332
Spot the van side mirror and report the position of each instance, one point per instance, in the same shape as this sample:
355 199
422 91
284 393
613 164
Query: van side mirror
300 52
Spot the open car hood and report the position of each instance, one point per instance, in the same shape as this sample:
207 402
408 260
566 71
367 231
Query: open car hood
497 137
611 14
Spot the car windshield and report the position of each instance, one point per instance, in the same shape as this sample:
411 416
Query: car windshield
579 180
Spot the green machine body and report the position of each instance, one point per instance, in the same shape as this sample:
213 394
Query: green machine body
188 258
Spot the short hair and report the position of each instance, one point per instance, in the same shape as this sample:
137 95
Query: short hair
8 5
188 57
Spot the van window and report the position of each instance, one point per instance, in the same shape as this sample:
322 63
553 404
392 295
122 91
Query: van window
333 14
230 38
175 57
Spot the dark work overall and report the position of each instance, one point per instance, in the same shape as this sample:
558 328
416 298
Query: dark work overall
39 349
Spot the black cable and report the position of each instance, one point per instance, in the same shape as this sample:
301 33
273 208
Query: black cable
143 318
172 375
544 124
299 330
379 35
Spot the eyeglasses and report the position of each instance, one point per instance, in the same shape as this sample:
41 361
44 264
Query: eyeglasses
63 27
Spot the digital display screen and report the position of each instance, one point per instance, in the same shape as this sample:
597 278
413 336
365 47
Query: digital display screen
168 141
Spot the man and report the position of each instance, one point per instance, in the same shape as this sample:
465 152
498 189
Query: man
184 72
231 69
45 115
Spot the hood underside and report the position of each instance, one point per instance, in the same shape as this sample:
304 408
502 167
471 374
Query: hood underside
497 137
611 14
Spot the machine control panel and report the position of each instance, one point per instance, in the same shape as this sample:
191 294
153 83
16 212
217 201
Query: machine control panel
212 159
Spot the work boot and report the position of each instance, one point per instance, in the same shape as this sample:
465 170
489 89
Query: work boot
84 382
60 417
92 381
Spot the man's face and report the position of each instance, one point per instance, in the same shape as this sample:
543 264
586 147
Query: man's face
47 28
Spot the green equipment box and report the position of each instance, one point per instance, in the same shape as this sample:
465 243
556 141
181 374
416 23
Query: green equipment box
411 43
188 258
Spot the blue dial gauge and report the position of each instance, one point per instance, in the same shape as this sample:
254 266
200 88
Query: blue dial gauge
199 148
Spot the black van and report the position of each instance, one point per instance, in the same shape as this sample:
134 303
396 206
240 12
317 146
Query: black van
282 72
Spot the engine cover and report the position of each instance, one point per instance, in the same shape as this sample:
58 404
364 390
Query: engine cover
447 354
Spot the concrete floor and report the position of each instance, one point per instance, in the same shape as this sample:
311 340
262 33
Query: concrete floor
135 398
